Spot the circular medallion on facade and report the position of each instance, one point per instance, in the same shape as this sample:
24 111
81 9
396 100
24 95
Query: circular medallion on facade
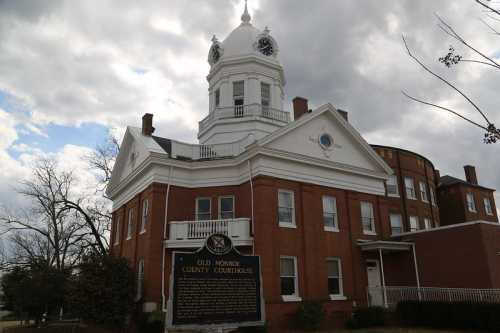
325 141
219 244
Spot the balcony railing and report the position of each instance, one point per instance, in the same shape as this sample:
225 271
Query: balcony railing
190 151
240 111
397 294
192 234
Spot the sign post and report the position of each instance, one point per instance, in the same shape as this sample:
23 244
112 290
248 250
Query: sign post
214 288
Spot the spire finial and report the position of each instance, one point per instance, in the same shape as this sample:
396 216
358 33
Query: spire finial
245 18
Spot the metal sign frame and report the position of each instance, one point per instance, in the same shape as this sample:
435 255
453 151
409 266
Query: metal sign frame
219 326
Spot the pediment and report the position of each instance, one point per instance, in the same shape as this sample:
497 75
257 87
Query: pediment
323 134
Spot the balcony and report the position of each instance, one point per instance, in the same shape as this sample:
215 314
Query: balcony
192 234
242 111
188 151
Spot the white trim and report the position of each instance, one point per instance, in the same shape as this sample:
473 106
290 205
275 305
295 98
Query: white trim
426 198
371 217
414 196
458 225
196 207
487 208
472 209
414 218
144 215
335 227
286 224
340 277
294 297
400 223
129 223
219 205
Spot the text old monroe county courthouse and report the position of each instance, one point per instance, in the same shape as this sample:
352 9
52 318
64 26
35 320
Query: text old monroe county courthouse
333 218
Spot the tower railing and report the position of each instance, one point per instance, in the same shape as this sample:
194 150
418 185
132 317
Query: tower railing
240 111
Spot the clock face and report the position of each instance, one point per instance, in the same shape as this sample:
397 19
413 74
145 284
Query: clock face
265 46
215 53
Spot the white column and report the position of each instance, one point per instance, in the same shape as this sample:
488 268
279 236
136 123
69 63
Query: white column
383 275
226 93
416 265
252 91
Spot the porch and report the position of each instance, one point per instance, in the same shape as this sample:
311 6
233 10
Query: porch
394 295
192 234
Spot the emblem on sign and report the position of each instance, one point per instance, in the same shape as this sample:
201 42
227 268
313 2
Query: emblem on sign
219 244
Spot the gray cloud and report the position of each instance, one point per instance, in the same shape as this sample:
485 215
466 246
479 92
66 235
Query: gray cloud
109 62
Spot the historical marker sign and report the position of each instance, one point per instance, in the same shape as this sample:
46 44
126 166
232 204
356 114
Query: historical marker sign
215 287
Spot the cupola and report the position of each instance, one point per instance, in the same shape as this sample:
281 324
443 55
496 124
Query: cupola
246 83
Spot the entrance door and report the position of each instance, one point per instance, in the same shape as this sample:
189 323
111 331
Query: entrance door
375 294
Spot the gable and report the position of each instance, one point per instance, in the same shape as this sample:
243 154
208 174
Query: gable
347 147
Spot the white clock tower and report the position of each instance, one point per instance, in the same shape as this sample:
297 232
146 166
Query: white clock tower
246 83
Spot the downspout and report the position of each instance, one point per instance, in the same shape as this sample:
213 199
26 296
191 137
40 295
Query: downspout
163 298
251 200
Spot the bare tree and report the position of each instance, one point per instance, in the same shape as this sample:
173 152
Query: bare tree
492 133
102 159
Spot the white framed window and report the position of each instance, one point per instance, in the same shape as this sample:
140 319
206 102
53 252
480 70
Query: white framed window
217 97
226 207
140 279
330 220
145 215
265 92
334 272
410 188
130 224
427 223
414 223
396 224
392 186
367 218
117 230
433 196
286 210
203 209
487 206
471 204
238 97
289 279
423 191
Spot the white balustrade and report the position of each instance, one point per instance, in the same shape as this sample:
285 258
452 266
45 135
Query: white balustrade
238 111
194 233
397 294
197 152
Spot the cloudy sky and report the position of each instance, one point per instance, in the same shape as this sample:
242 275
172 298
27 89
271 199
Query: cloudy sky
70 70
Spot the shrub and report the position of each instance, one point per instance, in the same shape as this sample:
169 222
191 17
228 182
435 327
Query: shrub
454 315
310 315
102 291
152 322
367 317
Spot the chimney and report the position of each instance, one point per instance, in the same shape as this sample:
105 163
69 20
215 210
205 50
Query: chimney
343 114
147 124
470 174
300 107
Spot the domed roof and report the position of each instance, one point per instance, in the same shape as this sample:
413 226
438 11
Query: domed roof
244 41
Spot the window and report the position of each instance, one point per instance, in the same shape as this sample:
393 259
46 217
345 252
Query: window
226 207
286 214
367 219
238 97
423 192
203 209
330 213
433 196
140 279
145 215
487 206
396 224
334 271
413 223
471 205
288 277
410 189
129 224
217 98
392 186
265 92
117 229
427 223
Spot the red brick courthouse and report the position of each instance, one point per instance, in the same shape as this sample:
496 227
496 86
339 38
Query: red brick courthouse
332 218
